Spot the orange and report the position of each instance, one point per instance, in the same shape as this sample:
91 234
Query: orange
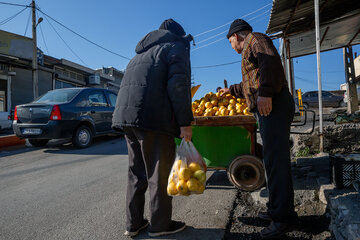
182 187
171 188
185 173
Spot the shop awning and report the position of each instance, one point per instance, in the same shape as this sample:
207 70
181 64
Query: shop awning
294 20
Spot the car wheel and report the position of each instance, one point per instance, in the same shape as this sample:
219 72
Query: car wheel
306 106
38 142
82 137
342 103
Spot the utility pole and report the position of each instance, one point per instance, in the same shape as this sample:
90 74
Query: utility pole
35 80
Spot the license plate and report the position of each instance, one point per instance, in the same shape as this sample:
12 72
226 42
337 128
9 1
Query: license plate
31 131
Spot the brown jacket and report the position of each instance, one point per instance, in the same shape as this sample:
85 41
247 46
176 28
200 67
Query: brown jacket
262 70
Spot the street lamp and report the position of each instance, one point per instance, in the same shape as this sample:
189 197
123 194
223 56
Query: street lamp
39 21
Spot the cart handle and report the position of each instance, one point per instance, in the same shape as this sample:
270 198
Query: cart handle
305 121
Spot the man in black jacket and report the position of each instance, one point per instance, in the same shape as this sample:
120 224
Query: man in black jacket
153 106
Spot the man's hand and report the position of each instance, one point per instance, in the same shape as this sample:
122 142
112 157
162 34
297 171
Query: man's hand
186 132
264 105
224 91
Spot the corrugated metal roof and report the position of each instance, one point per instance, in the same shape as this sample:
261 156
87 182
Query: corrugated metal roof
294 20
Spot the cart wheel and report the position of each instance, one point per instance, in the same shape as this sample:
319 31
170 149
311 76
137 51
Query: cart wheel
246 172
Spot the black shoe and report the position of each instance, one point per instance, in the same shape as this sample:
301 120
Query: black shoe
134 232
276 230
174 228
264 216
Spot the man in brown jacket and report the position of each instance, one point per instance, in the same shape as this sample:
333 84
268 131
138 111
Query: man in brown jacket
266 92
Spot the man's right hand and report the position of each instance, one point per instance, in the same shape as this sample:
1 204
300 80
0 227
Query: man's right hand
224 91
186 132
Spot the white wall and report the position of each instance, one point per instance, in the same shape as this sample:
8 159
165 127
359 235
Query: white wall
357 66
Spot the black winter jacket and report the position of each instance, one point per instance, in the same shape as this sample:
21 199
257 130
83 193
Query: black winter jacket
155 92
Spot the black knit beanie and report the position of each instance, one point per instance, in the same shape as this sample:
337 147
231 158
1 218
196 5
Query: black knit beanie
237 26
173 27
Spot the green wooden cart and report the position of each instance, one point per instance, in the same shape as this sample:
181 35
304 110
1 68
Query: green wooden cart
229 143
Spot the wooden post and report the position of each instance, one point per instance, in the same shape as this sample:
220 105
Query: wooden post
352 103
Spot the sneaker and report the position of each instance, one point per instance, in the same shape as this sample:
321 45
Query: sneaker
134 232
175 227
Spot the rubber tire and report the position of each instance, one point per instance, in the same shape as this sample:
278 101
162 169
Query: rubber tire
342 103
237 168
76 138
306 106
38 142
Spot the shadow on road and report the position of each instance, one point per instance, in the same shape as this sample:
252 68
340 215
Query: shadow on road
36 169
13 150
106 145
218 180
101 146
310 225
190 233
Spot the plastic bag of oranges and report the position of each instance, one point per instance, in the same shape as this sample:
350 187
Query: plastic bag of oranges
188 173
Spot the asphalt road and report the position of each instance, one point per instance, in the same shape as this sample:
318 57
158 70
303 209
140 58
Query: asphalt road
59 192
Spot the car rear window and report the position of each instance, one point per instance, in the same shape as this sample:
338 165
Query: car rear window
58 96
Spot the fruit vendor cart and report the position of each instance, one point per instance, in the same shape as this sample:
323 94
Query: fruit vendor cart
229 143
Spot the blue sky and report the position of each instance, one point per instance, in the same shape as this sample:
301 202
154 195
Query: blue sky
119 25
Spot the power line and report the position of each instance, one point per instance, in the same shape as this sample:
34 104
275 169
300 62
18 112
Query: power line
119 55
217 65
326 84
224 32
12 17
209 44
27 24
267 11
42 34
13 4
211 37
321 71
232 21
64 41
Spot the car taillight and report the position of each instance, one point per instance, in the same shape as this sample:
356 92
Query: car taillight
9 118
15 114
55 113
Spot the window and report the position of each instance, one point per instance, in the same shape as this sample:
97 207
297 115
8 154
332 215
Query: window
112 98
326 94
61 84
313 94
97 99
58 96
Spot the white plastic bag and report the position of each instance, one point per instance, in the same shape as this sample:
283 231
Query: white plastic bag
188 173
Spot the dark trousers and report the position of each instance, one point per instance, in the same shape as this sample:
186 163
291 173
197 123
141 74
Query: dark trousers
275 133
151 155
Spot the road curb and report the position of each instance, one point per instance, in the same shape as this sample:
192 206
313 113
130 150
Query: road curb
10 140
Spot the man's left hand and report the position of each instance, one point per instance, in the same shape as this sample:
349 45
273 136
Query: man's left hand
264 105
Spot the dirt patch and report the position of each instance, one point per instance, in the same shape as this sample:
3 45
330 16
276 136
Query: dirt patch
342 138
244 224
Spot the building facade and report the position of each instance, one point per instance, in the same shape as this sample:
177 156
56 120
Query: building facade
16 84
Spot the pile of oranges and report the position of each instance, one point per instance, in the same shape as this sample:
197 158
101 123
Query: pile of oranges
212 104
